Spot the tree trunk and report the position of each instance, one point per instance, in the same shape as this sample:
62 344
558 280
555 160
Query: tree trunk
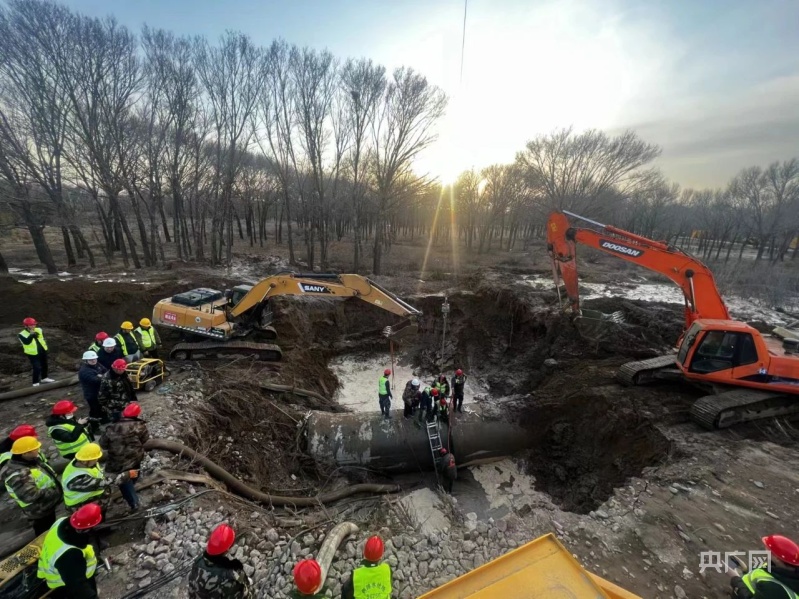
68 247
42 248
3 265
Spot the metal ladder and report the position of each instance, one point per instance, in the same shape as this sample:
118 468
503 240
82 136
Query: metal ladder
434 436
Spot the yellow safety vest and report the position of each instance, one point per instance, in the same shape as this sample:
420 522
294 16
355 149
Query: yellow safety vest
147 337
95 347
53 549
4 457
65 449
71 497
372 582
40 479
32 349
752 578
382 385
121 343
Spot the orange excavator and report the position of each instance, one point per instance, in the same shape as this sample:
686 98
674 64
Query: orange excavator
750 375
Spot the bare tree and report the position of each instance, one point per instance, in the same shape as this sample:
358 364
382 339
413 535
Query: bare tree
232 77
403 127
576 171
365 82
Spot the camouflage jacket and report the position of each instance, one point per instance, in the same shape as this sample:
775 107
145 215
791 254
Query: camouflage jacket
116 391
218 577
87 482
19 479
123 443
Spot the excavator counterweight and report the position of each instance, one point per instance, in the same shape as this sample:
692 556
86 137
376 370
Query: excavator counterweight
750 375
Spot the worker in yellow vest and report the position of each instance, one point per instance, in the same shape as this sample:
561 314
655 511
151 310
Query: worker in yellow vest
68 433
777 579
370 580
148 338
126 342
32 484
67 562
23 430
384 394
84 480
35 347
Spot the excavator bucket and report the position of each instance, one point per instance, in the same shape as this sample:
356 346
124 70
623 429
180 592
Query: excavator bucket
402 332
594 325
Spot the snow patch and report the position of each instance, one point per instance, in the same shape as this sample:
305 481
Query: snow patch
422 506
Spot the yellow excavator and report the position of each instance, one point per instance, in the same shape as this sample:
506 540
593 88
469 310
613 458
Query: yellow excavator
215 323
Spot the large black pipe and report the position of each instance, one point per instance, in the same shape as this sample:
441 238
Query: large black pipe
400 445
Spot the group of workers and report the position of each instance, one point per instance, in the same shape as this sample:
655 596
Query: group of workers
428 402
104 354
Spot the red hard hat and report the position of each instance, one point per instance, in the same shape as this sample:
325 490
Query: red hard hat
23 430
119 364
64 407
308 576
435 392
459 372
443 401
442 451
387 371
783 549
89 516
29 322
101 336
132 410
221 539
373 550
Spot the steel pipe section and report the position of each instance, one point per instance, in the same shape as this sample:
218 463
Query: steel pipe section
400 445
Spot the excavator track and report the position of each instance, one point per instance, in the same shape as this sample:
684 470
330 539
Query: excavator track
213 349
741 405
638 373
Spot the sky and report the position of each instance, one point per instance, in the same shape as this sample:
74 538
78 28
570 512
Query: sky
715 83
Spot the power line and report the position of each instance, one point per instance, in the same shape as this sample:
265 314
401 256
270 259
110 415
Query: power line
463 38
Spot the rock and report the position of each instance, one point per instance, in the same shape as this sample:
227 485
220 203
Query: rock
249 570
550 362
684 536
468 547
687 574
673 490
144 582
423 569
679 593
393 561
601 514
151 548
272 536
773 515
308 540
759 485
169 539
424 556
139 574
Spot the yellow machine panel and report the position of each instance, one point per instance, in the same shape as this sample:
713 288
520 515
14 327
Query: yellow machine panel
541 568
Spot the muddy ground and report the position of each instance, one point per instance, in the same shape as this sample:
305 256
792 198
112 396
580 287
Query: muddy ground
632 487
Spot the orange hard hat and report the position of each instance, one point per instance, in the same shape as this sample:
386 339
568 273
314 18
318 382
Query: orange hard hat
132 410
119 364
387 371
307 576
373 550
89 516
101 336
23 430
29 322
783 549
221 539
64 407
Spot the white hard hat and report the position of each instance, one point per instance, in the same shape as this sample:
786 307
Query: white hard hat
415 383
110 342
90 355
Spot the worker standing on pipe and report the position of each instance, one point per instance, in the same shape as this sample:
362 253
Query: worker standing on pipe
67 433
442 410
458 383
67 562
307 579
116 390
426 399
370 580
442 385
384 394
779 581
410 397
215 575
124 442
35 347
32 484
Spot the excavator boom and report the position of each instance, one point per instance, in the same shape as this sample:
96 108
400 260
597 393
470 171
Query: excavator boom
702 297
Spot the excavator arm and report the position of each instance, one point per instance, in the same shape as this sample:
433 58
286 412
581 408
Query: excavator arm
328 285
702 297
